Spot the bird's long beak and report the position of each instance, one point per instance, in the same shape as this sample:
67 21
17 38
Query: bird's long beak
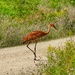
55 28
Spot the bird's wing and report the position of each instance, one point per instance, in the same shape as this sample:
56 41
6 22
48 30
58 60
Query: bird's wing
37 33
33 35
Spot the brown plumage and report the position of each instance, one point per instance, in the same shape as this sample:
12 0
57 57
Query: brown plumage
35 36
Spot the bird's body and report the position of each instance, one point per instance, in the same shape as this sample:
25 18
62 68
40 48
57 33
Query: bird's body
34 37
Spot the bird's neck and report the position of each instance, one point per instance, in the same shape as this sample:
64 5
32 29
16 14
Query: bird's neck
49 27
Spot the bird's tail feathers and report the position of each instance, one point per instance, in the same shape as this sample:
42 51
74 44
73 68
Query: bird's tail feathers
24 42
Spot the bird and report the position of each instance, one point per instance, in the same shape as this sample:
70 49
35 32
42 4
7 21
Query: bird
34 36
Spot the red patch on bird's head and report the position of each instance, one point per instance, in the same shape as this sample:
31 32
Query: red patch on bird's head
52 25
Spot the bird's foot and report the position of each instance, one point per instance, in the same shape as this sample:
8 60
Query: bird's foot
36 59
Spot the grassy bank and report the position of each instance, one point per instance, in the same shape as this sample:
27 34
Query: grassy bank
19 17
60 61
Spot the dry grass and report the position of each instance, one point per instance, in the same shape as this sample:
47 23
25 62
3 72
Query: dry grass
15 22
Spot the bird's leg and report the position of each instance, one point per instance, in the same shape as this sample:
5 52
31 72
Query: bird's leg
30 48
35 51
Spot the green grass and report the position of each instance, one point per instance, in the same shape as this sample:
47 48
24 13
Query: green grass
19 17
18 8
60 61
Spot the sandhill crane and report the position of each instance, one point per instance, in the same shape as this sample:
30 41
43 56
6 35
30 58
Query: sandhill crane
35 36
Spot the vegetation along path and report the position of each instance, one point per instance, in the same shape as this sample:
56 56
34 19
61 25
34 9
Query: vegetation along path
16 60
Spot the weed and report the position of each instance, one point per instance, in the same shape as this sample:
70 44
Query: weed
61 61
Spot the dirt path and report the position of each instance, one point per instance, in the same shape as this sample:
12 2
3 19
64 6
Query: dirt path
18 60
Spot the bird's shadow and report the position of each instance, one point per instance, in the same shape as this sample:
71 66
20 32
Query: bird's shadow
39 61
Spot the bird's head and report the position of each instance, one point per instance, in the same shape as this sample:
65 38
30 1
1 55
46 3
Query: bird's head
52 25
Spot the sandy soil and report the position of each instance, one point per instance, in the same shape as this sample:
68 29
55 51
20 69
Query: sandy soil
19 60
